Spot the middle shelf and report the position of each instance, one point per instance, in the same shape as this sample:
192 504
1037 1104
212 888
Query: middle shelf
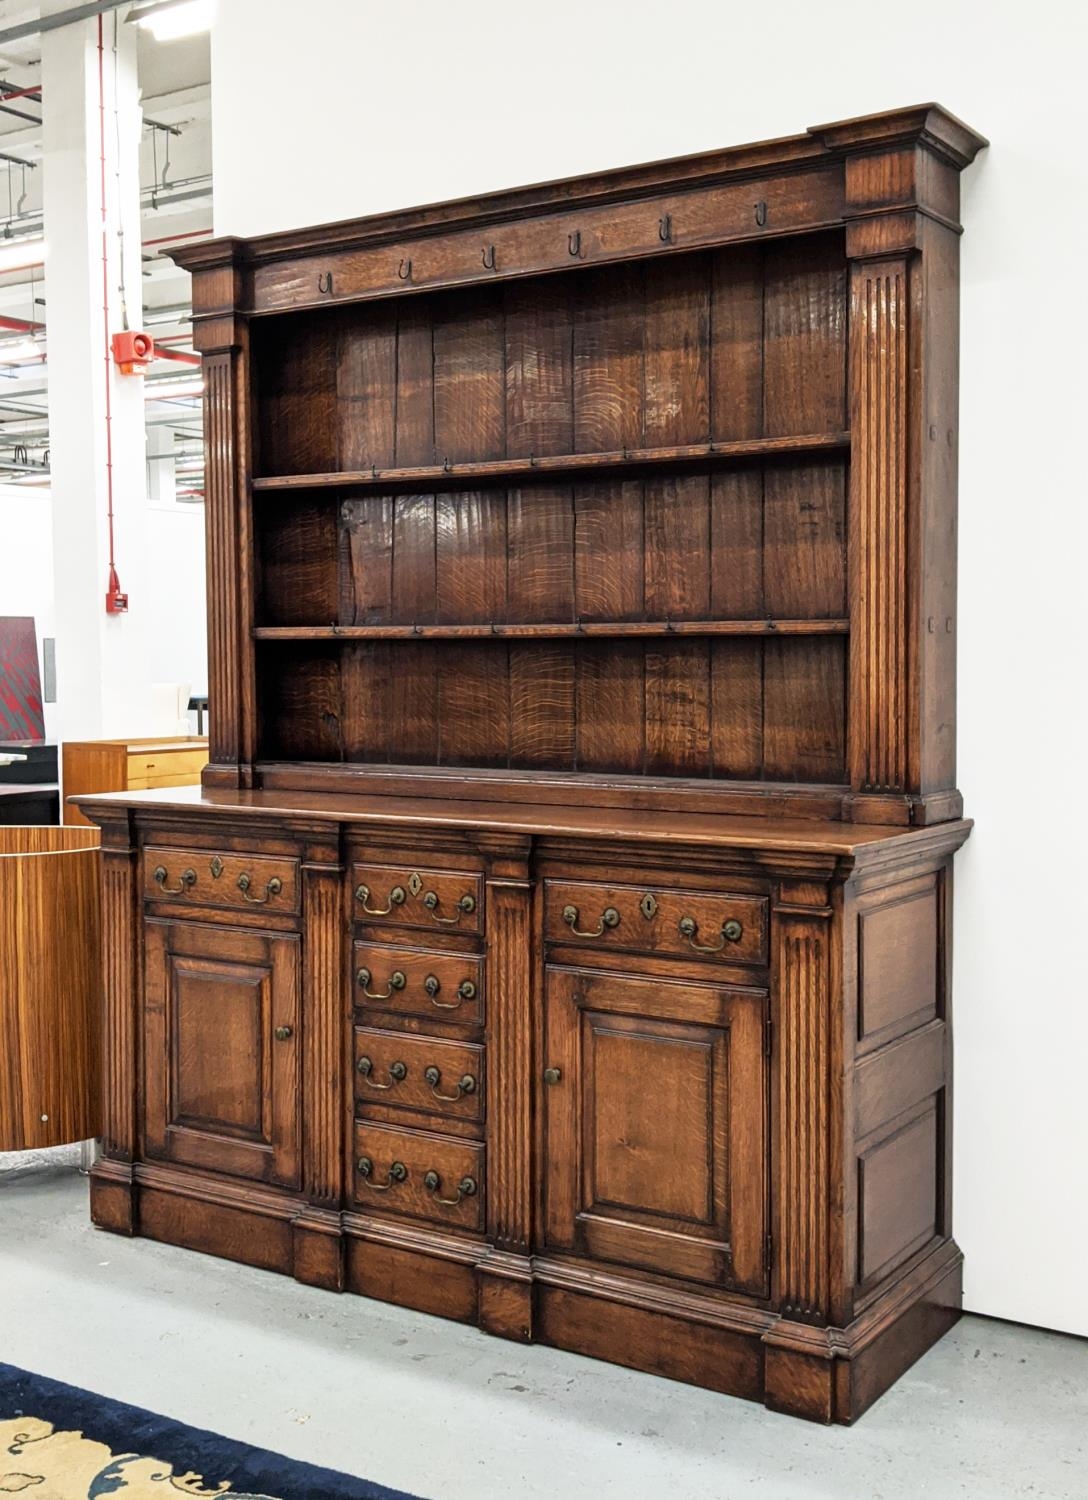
559 630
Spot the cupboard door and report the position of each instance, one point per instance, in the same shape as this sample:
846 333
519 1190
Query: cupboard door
655 1126
221 1053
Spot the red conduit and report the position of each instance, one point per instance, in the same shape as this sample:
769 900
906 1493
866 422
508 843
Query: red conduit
113 586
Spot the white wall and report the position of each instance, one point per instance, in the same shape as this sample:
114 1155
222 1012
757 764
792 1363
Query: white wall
26 567
175 568
396 105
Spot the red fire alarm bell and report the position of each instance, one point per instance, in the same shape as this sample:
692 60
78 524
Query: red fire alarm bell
133 352
116 598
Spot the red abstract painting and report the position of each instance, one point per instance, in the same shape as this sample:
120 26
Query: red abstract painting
21 713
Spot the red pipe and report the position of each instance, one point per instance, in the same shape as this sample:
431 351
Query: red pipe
34 93
113 585
22 325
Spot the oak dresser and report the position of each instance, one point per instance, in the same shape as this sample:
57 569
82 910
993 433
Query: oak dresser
560 938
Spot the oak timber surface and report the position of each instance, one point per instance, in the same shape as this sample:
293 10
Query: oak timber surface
593 822
581 584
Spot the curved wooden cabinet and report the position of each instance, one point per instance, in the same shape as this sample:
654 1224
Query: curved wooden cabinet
560 939
50 987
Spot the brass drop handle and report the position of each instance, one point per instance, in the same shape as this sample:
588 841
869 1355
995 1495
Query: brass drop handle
273 888
467 1085
466 1188
186 879
397 980
610 917
465 905
466 990
731 933
397 897
284 1033
398 1072
398 1172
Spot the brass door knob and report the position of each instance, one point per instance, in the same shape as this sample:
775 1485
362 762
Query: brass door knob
284 1033
552 1075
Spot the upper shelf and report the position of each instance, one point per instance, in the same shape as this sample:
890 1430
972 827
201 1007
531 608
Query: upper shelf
629 460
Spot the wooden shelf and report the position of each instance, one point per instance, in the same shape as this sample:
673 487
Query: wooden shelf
462 475
557 631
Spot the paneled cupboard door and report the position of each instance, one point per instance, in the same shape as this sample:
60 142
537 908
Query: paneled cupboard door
221 1050
655 1125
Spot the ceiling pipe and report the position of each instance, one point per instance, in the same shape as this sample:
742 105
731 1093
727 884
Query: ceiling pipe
70 17
61 18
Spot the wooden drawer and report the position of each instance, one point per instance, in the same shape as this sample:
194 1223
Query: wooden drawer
649 919
417 982
151 766
419 1072
439 900
422 1175
203 877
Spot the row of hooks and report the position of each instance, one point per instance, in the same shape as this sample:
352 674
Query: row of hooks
574 248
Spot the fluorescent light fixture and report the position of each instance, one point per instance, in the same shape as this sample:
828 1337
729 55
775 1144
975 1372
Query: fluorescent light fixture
18 351
158 390
181 18
26 252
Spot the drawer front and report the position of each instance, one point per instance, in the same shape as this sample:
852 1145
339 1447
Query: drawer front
418 1174
439 900
420 1073
649 919
151 765
415 982
203 877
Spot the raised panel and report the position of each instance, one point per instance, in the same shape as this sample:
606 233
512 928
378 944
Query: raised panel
218 1063
897 964
654 1126
648 1094
897 1195
221 1050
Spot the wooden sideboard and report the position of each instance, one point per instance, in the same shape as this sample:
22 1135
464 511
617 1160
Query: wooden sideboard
560 938
129 765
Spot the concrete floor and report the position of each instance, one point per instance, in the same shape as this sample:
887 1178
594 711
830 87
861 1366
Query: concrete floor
449 1414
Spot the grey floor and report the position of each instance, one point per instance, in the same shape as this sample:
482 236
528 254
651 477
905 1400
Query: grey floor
449 1414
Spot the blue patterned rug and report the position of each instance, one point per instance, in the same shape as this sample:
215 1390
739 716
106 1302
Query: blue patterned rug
60 1443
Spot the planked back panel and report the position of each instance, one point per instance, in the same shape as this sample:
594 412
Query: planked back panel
739 343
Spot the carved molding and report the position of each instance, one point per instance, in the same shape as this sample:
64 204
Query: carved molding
119 977
509 1052
879 542
323 1020
221 523
803 1116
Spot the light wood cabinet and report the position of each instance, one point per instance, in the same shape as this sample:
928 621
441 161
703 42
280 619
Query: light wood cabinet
90 766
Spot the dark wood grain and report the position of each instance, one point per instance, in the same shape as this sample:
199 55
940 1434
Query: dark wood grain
539 369
561 939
